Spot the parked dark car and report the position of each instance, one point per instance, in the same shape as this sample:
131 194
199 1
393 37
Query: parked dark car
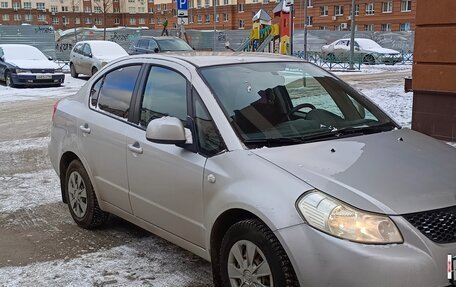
147 45
22 65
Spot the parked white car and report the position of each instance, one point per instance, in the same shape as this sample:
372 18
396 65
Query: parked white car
87 57
367 50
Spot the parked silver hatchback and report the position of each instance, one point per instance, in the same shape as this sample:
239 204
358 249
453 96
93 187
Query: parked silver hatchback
273 169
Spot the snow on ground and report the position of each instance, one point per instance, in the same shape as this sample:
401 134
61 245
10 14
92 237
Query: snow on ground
8 147
394 101
27 190
147 262
374 69
69 87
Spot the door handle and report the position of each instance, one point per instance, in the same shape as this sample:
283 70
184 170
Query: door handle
85 128
136 148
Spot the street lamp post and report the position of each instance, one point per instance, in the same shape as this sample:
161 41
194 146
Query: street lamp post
352 35
215 24
305 29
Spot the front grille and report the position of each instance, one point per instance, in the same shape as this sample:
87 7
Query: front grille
37 71
438 225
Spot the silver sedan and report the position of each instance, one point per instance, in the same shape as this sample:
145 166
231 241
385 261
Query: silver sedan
271 168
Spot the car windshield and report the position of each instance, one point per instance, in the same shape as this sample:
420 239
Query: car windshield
291 102
367 44
173 45
18 52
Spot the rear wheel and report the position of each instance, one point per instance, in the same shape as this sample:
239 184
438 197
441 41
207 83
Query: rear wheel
8 80
73 71
94 70
369 60
251 255
331 58
82 201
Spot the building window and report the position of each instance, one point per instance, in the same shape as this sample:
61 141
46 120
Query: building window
151 10
217 18
140 9
28 17
142 21
152 21
41 18
190 4
265 1
206 3
131 1
337 28
323 28
387 7
75 8
198 4
159 21
4 5
54 9
16 5
406 5
116 21
88 21
87 9
208 19
324 11
404 27
97 9
357 10
165 7
5 17
386 27
338 10
309 3
370 9
225 17
158 7
98 21
55 20
40 6
132 10
17 17
77 21
241 24
241 9
369 27
116 10
132 21
28 5
65 9
309 21
200 19
190 18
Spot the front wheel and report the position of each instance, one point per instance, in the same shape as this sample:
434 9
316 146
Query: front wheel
82 201
73 71
251 255
8 80
369 60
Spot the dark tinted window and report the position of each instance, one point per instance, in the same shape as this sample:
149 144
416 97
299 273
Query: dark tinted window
94 92
77 48
173 45
152 45
165 94
86 50
117 89
210 141
143 43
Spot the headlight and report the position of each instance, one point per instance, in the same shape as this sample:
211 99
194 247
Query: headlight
22 71
339 219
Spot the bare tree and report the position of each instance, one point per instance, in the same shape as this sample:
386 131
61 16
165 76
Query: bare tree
105 7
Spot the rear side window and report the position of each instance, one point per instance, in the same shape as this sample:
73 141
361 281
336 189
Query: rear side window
77 48
143 43
116 90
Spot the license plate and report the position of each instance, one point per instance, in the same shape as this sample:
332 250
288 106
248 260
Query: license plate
43 77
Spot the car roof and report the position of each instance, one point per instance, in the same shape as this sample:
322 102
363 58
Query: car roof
101 42
15 45
205 59
160 37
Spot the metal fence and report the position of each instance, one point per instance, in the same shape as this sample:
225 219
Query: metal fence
41 37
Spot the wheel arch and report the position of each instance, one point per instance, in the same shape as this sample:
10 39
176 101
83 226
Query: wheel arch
65 161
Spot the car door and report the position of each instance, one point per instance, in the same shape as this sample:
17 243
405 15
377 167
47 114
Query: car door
165 180
102 133
86 59
153 46
341 49
76 56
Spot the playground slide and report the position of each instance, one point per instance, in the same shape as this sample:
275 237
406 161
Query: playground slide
265 43
244 45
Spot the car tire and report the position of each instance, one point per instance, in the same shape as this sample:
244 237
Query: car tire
369 60
73 71
94 70
251 238
331 58
8 80
81 198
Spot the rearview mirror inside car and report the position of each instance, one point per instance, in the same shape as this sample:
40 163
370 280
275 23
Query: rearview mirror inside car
166 130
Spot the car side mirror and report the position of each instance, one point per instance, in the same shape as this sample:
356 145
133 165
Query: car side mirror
2 58
90 55
50 58
168 130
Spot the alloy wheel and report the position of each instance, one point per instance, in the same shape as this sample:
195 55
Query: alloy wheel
77 194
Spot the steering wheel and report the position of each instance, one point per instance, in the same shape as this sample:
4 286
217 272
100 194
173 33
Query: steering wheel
300 106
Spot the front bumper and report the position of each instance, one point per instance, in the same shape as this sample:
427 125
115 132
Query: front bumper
35 79
322 260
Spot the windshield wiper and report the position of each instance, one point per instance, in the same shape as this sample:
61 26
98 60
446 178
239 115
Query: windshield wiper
274 141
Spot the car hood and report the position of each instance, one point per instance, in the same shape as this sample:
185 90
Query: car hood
396 172
380 50
34 64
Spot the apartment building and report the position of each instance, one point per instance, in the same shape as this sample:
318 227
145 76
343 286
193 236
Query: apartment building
371 15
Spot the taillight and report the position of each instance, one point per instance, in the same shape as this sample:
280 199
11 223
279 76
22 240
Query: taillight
55 109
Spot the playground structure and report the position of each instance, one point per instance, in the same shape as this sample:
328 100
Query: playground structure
268 37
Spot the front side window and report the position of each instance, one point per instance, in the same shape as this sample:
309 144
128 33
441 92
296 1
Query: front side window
116 91
290 102
165 94
210 141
